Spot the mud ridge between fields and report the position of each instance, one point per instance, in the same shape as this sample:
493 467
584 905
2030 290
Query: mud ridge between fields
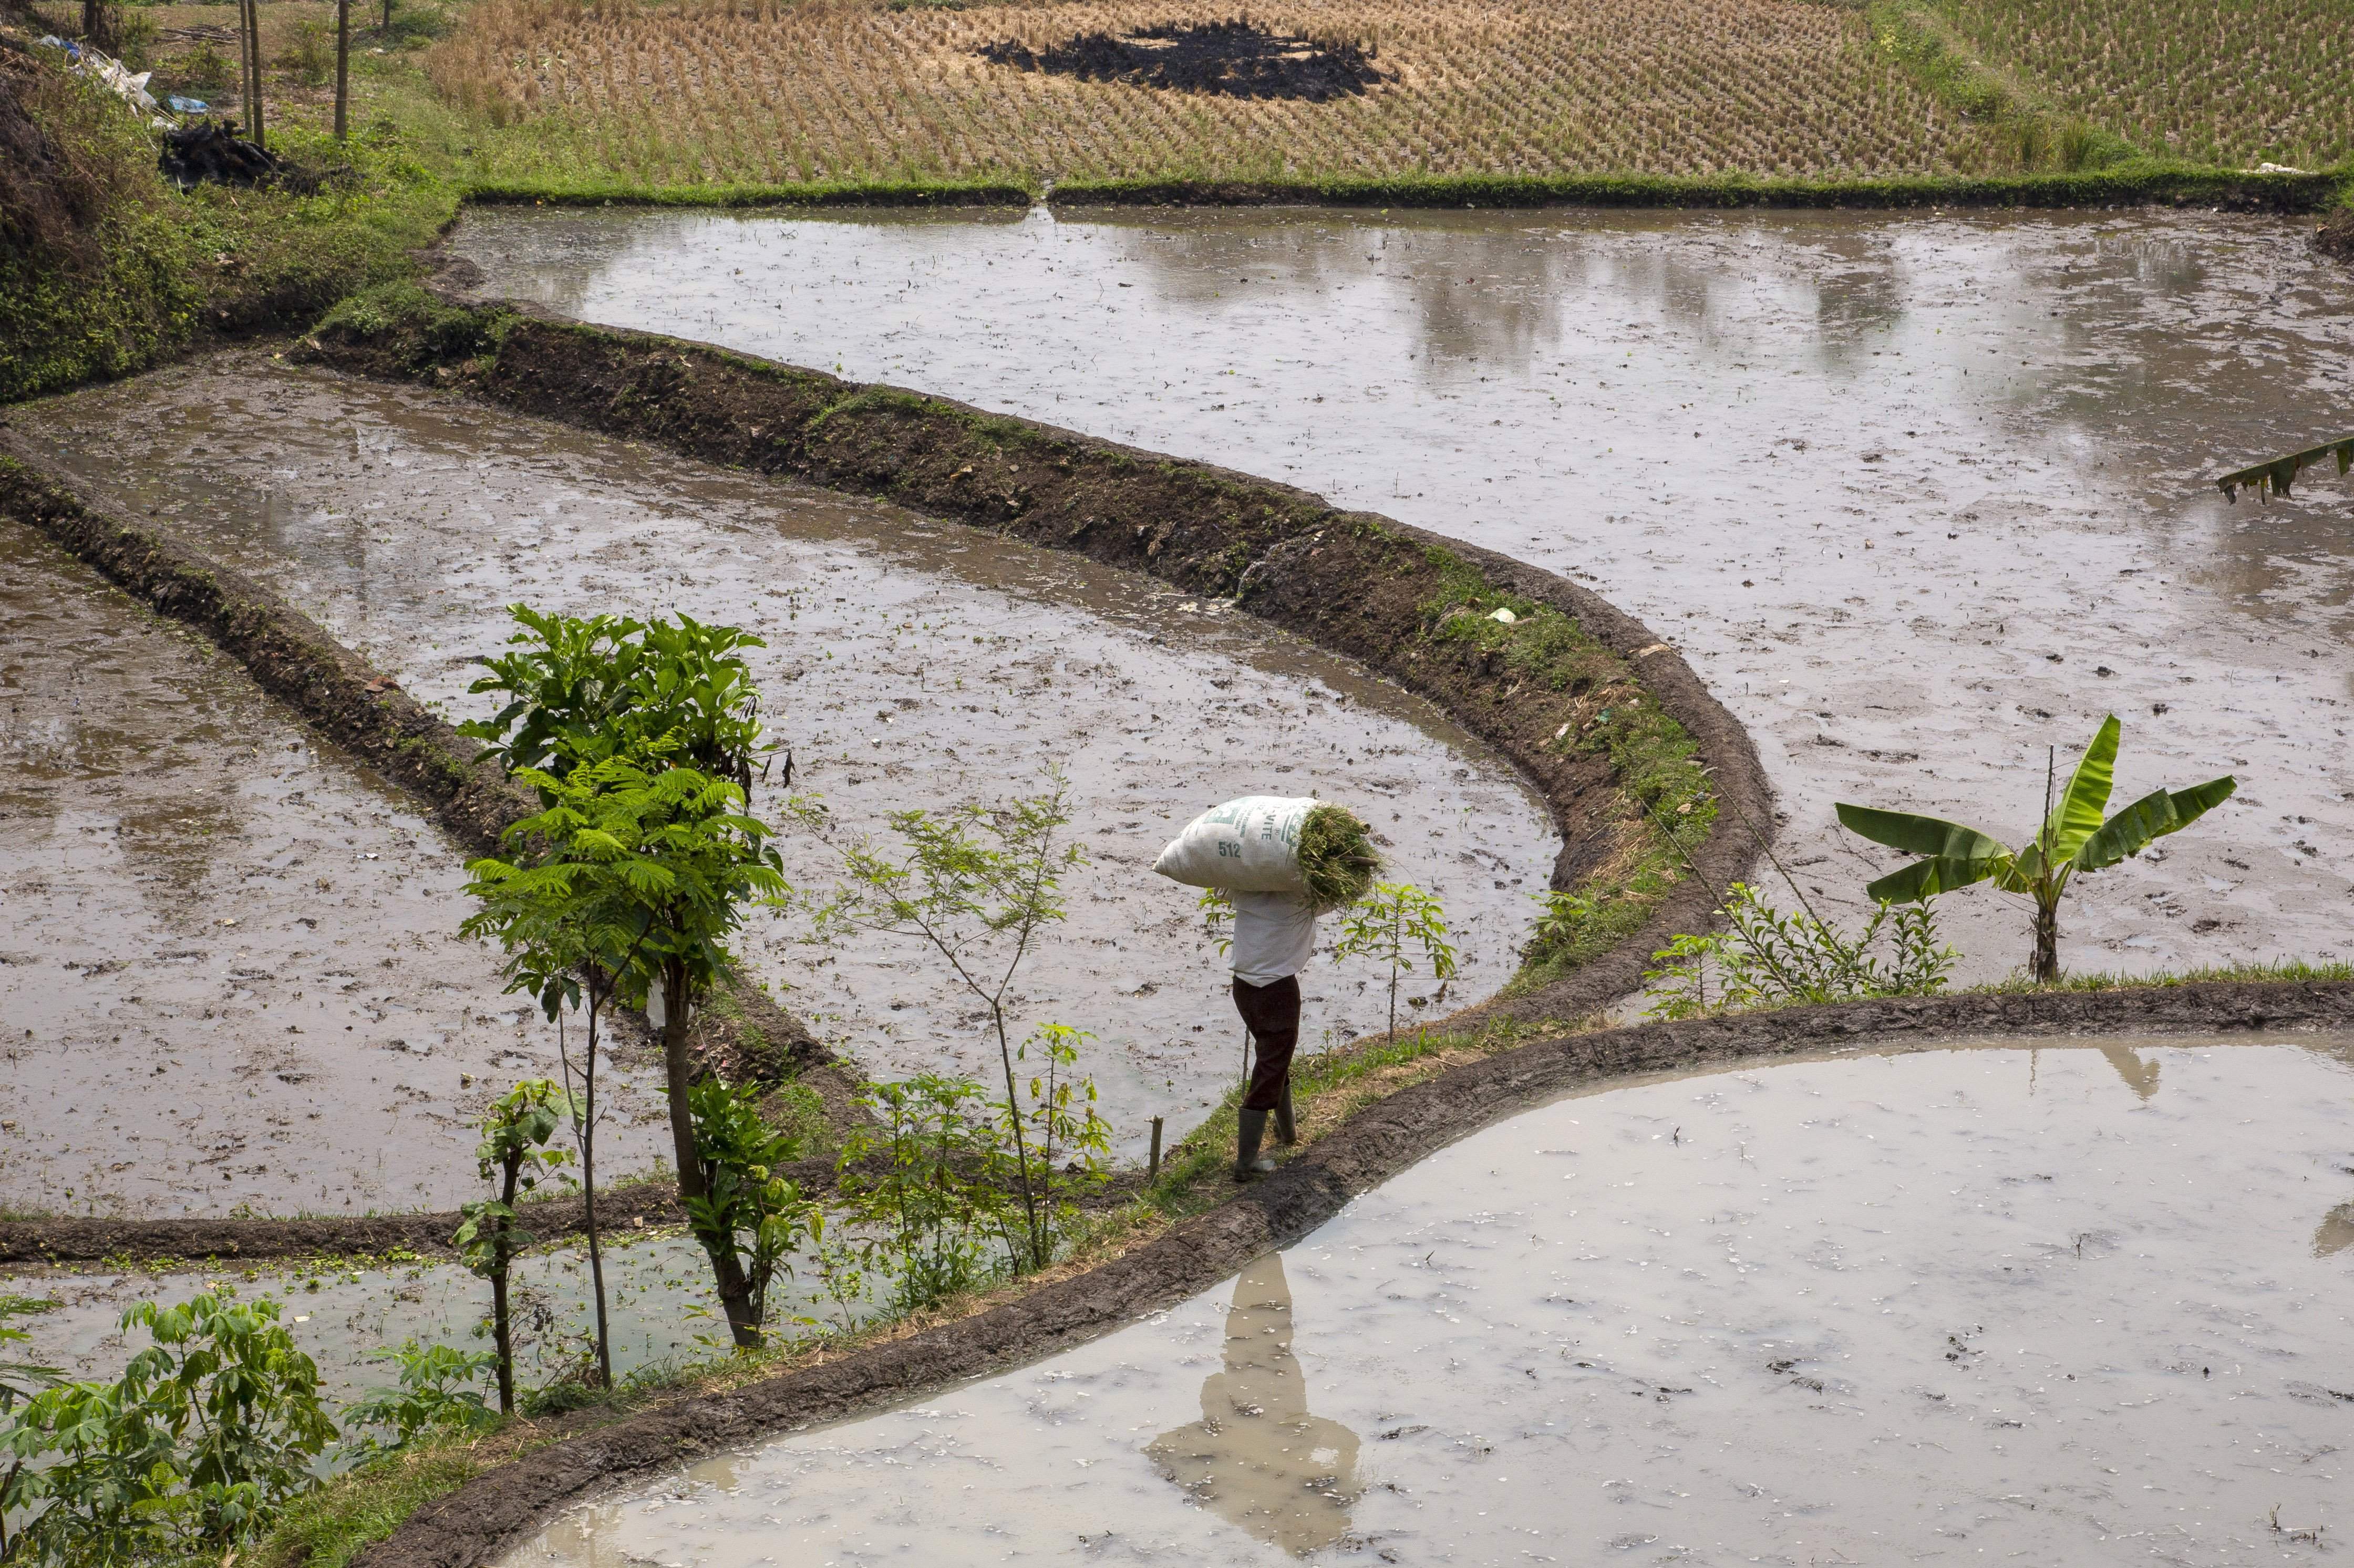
1355 583
344 698
621 1209
475 1524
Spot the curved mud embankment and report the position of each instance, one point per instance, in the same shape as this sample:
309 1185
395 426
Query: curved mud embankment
903 655
1356 583
474 1525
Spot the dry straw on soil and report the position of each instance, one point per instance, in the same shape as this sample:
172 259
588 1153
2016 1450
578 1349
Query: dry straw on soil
2233 82
717 91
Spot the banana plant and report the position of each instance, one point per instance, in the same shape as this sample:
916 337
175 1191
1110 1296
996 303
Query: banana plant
2074 838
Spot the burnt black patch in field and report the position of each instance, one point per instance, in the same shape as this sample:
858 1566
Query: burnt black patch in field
1234 58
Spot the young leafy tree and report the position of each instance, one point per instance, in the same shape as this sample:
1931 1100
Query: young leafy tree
514 1155
1391 925
564 911
977 885
747 1207
207 1432
663 864
582 690
2074 838
633 733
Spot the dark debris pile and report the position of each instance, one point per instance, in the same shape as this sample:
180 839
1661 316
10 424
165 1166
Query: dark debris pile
209 150
1233 58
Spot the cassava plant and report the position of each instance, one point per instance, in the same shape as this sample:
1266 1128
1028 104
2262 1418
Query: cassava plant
912 1180
747 1207
513 1157
2076 838
436 1392
1071 1140
1394 925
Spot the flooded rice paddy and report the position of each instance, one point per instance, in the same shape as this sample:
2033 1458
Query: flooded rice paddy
228 972
910 663
1919 496
2076 1303
660 1304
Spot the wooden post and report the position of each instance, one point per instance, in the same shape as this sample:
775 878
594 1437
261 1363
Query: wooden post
342 63
1153 1170
255 128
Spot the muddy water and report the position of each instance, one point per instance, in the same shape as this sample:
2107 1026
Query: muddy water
2077 1304
659 1303
910 663
1920 495
229 975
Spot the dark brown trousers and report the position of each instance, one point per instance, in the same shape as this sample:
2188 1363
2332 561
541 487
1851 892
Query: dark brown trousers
1272 1014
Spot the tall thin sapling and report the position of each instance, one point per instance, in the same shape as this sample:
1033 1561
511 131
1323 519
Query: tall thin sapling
977 884
1392 925
513 1156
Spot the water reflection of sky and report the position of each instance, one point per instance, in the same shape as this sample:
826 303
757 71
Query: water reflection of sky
1871 1310
1919 496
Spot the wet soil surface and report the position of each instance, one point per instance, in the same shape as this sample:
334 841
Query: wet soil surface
660 1304
1874 1309
1920 496
1232 60
911 662
227 969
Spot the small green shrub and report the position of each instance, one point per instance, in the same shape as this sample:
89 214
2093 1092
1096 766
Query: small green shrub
210 1430
310 53
1769 959
436 1393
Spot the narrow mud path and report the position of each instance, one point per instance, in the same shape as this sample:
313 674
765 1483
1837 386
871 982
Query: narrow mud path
1870 1307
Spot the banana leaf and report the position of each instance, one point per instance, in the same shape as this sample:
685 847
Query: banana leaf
1916 834
1938 873
2077 817
2274 475
2151 818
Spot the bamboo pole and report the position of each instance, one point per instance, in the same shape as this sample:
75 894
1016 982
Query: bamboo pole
343 64
256 127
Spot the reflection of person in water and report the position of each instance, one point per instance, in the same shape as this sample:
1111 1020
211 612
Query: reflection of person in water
1256 1457
2141 1077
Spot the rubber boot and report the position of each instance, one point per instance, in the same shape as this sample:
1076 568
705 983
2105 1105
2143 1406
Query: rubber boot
1250 1127
1287 1129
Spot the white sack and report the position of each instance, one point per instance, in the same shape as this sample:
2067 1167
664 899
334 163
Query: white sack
1250 845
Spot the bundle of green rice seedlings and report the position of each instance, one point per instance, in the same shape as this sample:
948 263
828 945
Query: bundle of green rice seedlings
1337 858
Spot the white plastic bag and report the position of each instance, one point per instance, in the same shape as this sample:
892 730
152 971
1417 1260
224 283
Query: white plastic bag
1250 845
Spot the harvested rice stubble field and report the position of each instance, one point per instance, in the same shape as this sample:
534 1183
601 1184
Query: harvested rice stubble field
717 91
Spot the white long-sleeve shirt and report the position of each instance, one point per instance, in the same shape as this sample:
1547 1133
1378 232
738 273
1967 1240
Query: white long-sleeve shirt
1275 935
